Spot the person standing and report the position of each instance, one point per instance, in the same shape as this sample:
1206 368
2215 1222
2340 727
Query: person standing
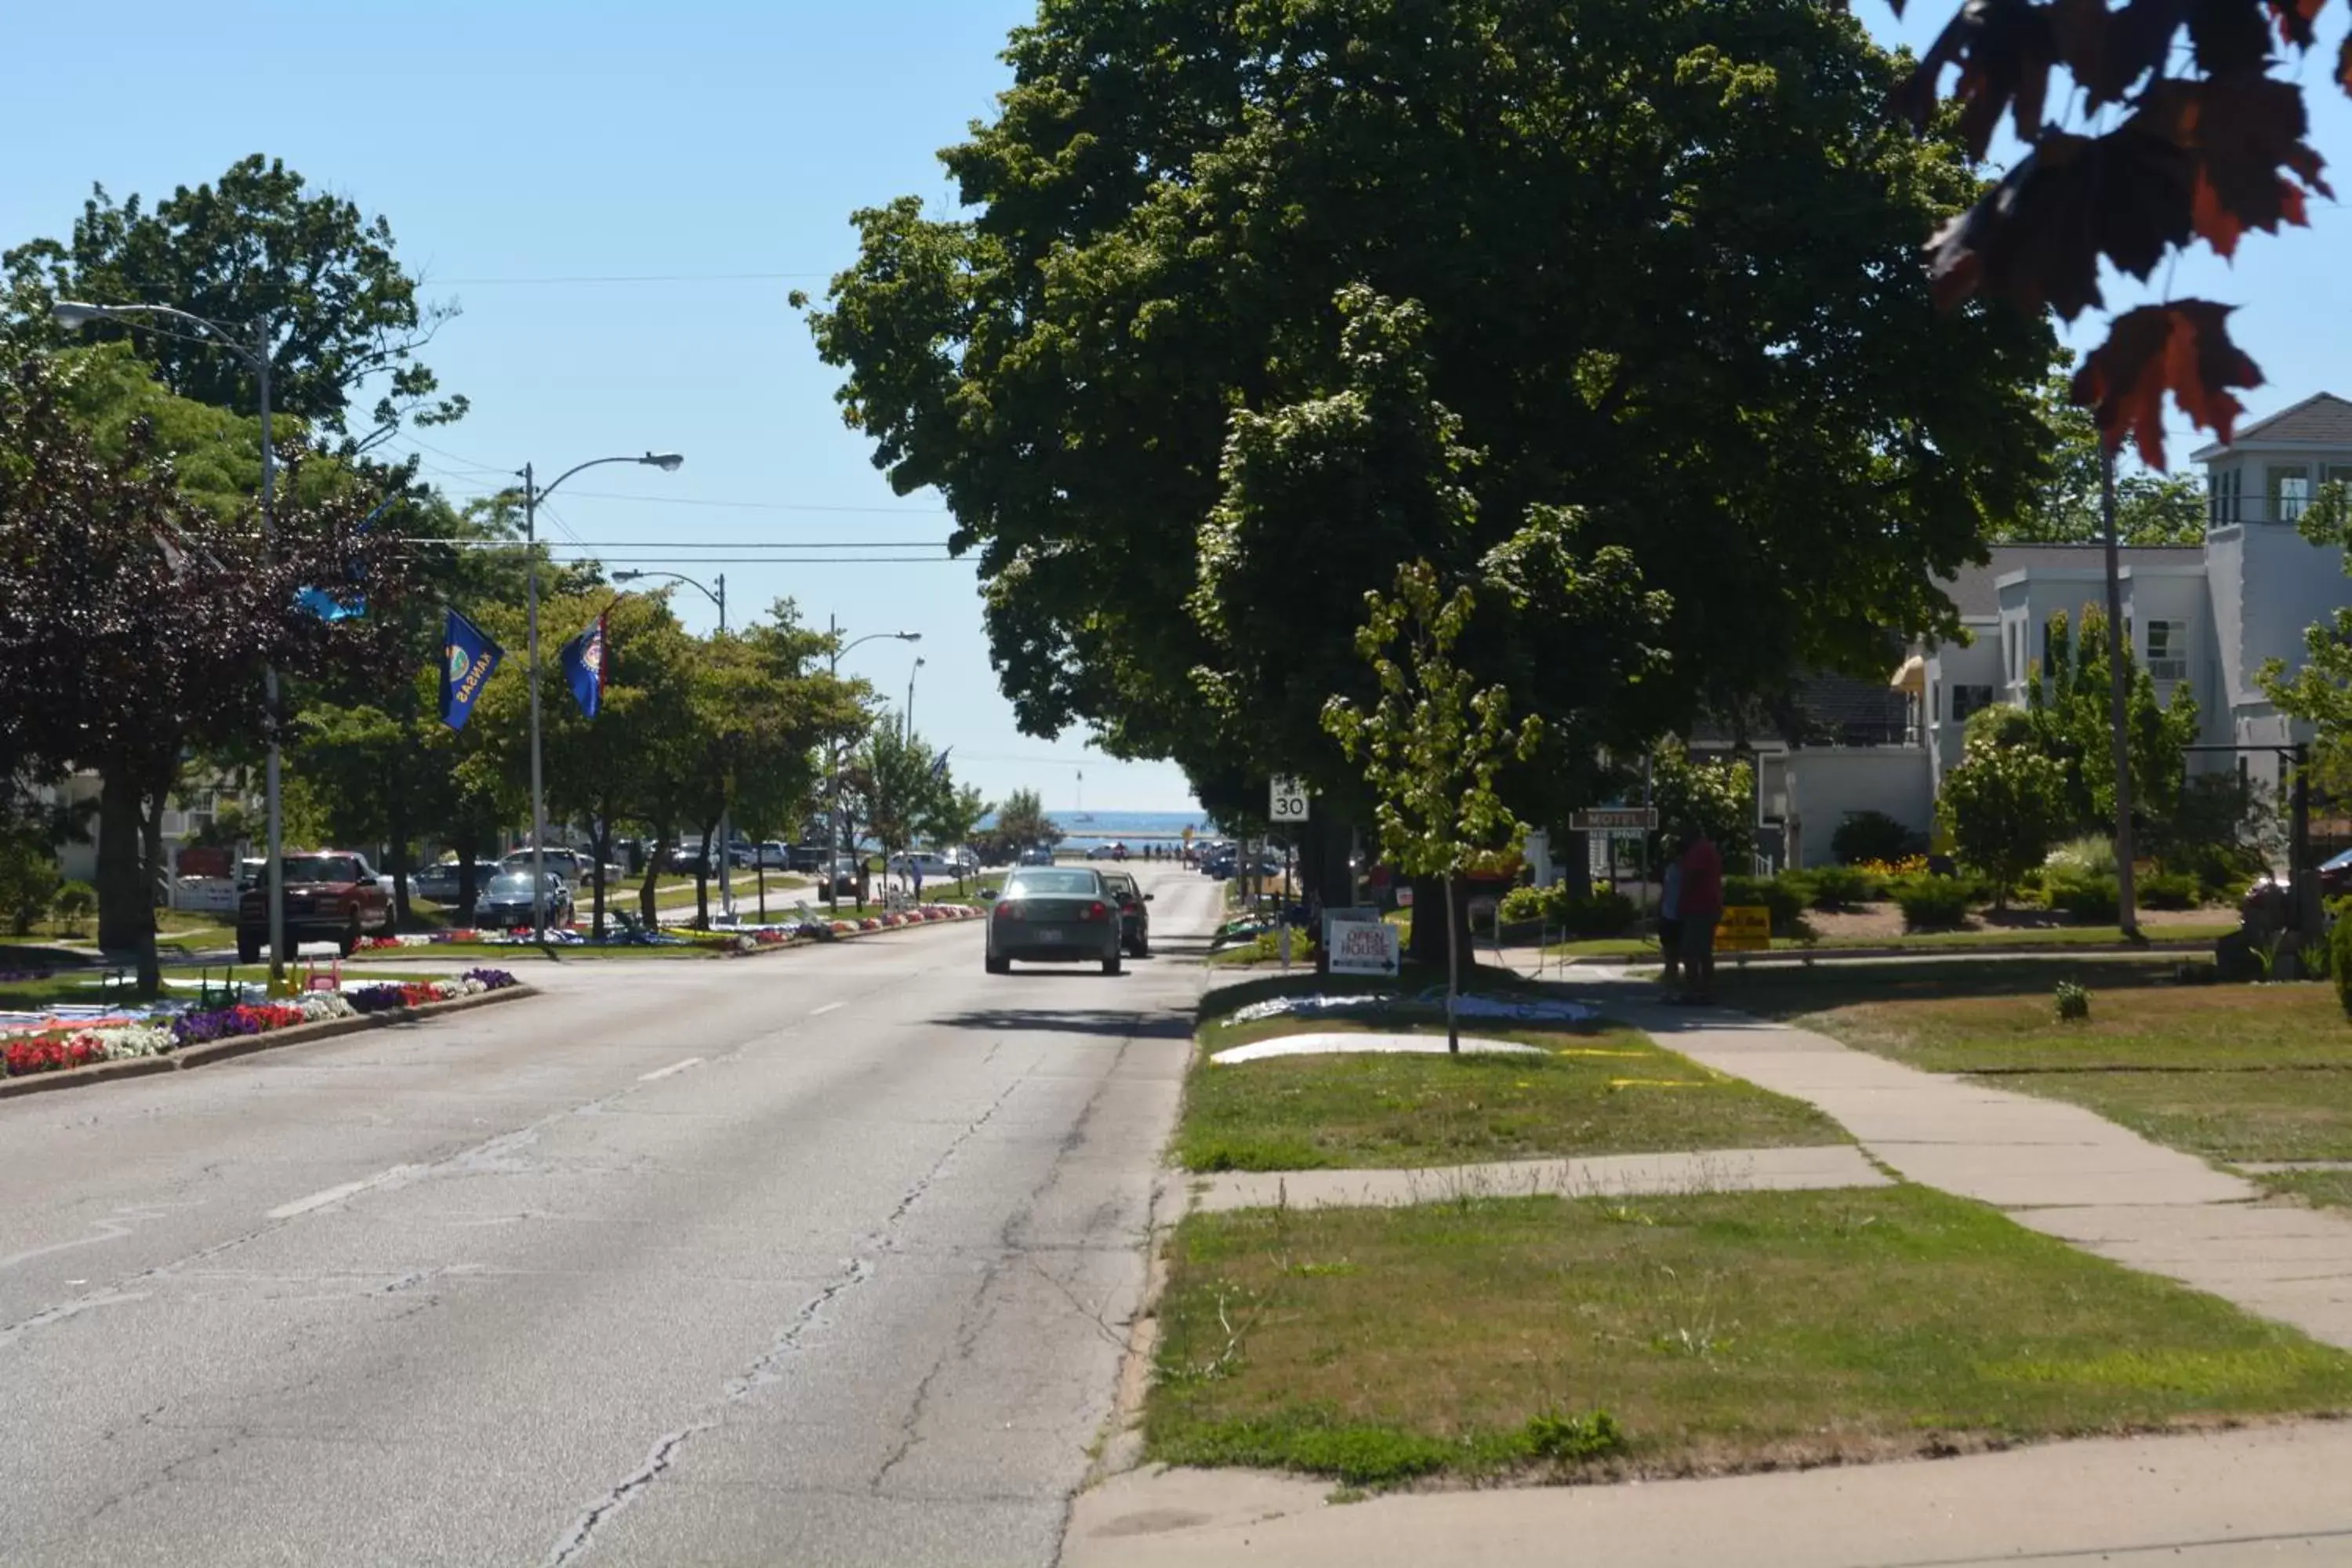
1670 919
1700 907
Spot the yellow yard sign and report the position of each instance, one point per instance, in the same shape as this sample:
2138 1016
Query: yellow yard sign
1746 928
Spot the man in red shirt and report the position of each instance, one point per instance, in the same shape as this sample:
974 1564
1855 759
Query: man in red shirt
1701 908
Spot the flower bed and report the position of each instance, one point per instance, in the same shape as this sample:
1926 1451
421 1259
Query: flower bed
54 1053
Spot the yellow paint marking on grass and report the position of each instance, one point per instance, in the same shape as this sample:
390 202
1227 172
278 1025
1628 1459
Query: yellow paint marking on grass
1592 1051
1658 1083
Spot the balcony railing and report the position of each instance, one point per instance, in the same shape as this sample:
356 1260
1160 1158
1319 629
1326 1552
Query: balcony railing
2168 669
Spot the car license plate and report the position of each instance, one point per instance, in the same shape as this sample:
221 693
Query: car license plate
1049 937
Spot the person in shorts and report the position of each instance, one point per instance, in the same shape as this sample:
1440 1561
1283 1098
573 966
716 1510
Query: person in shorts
1701 908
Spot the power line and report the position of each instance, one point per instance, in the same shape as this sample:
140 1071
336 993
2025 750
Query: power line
757 505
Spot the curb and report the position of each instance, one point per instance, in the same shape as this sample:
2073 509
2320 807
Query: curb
251 1045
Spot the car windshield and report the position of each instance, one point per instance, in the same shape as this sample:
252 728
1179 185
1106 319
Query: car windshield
322 868
510 885
1054 884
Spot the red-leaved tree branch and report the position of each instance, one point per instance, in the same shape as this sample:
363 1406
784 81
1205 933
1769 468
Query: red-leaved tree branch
2209 145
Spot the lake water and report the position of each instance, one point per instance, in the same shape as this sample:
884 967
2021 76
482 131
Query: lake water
1084 830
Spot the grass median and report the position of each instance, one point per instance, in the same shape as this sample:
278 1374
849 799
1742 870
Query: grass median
1588 1088
2231 1073
1562 1338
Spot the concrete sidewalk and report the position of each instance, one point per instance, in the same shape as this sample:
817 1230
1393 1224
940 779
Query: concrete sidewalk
2270 1495
2056 1167
1603 1176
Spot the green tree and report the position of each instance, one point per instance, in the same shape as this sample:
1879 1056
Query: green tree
954 816
256 245
1717 795
1021 822
137 623
2067 708
1432 746
900 791
2004 807
1666 258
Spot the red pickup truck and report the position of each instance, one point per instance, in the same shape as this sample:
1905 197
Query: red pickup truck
332 895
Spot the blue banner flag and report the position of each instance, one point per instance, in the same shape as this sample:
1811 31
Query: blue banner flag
584 667
468 659
939 768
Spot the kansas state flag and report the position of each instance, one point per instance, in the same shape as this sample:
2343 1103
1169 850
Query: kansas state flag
584 667
468 658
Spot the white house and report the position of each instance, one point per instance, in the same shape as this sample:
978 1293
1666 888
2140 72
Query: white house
2204 617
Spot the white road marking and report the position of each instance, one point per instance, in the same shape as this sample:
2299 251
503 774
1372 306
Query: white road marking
828 1008
337 1194
673 1067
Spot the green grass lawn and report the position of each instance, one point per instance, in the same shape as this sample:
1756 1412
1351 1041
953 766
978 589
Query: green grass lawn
1598 1089
1557 1338
2227 1072
2054 937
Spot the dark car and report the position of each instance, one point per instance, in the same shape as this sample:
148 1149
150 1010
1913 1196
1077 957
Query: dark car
334 897
441 881
1054 915
2335 876
505 904
1134 920
809 857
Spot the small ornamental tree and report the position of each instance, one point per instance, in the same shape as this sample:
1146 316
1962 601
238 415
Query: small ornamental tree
2005 806
1432 747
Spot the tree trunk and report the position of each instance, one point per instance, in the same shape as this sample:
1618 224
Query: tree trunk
126 909
759 860
600 840
702 880
649 895
396 821
1452 972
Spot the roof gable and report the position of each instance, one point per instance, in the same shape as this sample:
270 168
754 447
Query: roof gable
2323 419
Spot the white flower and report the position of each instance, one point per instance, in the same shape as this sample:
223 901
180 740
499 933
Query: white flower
126 1041
319 1006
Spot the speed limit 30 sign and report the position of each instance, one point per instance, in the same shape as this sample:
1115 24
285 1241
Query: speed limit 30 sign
1287 801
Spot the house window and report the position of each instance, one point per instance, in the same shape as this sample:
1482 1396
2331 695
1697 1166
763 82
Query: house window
1966 700
2168 650
2290 493
2221 496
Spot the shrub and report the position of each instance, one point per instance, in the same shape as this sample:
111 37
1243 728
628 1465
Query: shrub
1523 904
2073 1002
2094 900
1842 887
1784 896
28 881
1932 903
2087 856
74 903
1607 913
1873 835
2170 890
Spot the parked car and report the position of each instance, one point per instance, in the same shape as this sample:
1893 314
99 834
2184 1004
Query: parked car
442 880
2335 876
1134 920
330 895
935 864
1037 855
1054 915
506 904
809 857
574 866
845 873
775 855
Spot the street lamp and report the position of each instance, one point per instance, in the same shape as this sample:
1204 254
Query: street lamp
532 494
833 826
726 814
908 734
253 351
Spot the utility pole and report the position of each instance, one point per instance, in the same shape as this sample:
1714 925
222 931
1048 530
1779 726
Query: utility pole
538 785
2118 707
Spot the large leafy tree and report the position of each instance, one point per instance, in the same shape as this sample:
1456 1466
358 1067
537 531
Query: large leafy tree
137 622
1661 257
257 246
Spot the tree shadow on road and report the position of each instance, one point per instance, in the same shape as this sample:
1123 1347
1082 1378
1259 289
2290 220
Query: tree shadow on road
1103 1021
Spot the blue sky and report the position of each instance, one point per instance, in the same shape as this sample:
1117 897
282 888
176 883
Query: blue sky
515 142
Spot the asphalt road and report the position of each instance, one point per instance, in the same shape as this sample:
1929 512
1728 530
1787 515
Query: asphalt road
823 1258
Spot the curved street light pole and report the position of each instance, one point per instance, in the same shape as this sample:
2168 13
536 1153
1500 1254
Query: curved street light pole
833 777
255 356
532 494
726 811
